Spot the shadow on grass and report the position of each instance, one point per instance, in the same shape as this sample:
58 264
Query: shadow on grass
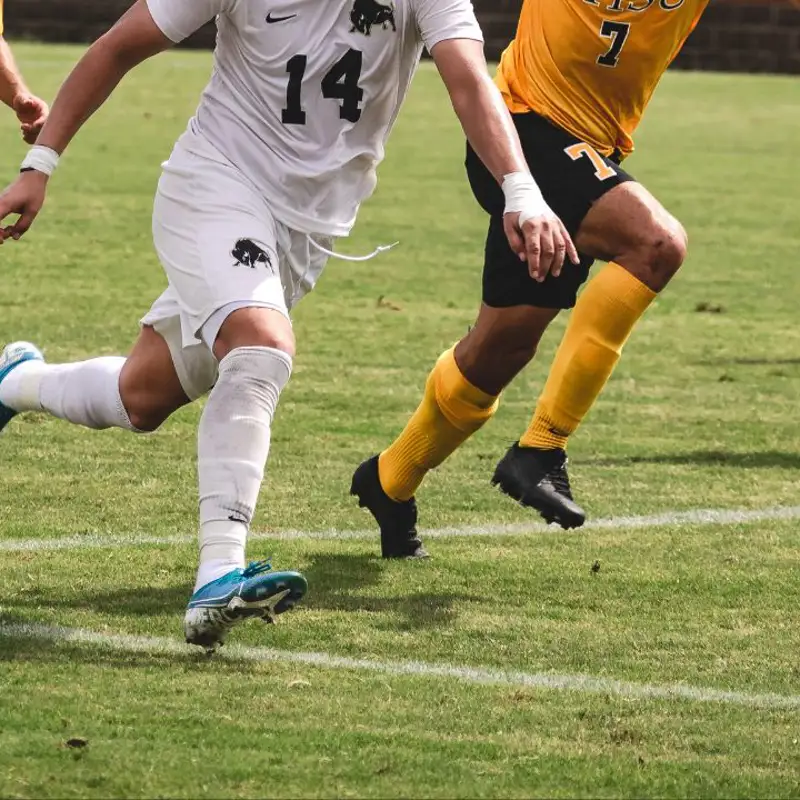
337 582
127 600
43 651
704 458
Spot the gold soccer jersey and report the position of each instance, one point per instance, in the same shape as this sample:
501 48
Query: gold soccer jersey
591 66
1 17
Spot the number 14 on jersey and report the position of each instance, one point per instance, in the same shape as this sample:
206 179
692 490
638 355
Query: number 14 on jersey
340 83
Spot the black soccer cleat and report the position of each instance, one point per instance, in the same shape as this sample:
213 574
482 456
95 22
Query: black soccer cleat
397 521
538 479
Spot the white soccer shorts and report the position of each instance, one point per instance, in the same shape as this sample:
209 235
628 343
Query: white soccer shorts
221 249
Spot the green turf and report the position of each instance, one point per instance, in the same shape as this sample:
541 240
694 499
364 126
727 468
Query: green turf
700 414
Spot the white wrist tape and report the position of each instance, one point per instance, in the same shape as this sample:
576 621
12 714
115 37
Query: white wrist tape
523 196
41 159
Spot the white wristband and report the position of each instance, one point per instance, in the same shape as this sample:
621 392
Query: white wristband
523 196
41 159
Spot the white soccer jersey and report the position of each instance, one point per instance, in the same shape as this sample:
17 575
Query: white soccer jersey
304 92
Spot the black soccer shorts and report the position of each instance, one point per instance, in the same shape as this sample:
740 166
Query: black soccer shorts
572 177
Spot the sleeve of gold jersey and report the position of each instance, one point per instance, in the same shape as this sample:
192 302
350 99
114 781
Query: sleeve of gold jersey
1 17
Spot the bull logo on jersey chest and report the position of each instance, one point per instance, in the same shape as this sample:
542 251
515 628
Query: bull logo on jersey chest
368 13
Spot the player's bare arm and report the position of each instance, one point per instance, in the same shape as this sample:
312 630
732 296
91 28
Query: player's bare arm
533 230
131 41
11 83
31 111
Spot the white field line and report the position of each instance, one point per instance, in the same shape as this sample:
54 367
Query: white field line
94 541
585 684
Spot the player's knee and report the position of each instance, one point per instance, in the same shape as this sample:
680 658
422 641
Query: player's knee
148 395
255 327
145 415
146 423
274 340
663 254
674 244
258 371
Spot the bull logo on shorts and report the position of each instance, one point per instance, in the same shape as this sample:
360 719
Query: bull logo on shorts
249 254
367 13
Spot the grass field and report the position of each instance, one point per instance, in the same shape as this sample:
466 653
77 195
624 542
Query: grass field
504 666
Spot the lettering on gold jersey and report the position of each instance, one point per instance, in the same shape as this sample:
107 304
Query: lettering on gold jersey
591 66
636 5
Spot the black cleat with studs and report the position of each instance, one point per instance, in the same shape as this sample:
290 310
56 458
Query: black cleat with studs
397 521
538 479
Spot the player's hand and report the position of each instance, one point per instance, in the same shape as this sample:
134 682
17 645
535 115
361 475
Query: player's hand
32 113
24 197
542 241
534 232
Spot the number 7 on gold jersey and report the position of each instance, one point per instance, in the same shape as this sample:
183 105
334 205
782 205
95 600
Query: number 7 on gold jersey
618 33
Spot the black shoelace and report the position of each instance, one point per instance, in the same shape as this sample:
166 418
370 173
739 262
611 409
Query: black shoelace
560 480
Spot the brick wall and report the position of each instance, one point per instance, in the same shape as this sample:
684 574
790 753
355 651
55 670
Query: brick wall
742 36
61 20
738 35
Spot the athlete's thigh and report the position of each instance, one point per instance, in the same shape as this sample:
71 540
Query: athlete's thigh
625 221
216 240
572 177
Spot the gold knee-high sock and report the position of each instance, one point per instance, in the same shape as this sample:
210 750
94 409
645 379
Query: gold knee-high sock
601 322
451 410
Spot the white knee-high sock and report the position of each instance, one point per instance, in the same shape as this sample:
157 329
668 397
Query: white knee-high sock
233 445
85 393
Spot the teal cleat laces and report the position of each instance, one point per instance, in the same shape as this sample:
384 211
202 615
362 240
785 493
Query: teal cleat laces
241 594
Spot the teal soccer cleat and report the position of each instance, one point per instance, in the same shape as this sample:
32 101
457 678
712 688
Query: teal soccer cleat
241 594
14 355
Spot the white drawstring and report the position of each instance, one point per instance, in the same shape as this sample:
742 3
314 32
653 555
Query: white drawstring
378 250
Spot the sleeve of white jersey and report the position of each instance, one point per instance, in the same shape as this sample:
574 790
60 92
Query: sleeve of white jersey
440 20
179 19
